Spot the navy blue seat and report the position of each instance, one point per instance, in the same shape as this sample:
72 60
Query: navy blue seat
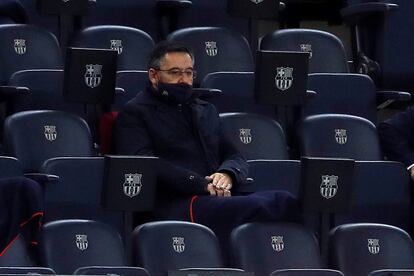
392 272
16 255
172 245
66 245
237 93
133 45
339 136
307 272
35 136
27 47
63 199
381 194
216 49
111 270
357 249
277 246
132 82
255 136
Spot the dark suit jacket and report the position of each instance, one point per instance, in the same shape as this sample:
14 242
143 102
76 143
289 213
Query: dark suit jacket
397 137
187 138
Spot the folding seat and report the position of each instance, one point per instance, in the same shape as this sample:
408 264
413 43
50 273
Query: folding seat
237 93
357 249
26 270
276 246
171 245
35 136
133 45
27 47
111 270
339 136
216 49
254 135
66 245
307 272
380 194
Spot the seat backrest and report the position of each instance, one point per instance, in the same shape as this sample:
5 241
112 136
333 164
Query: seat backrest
307 272
35 136
237 93
321 45
339 136
255 136
12 11
357 249
277 246
132 82
133 45
216 49
352 94
66 245
10 167
46 92
391 201
171 245
27 47
16 254
112 270
64 201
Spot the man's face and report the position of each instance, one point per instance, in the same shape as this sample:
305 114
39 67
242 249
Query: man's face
176 67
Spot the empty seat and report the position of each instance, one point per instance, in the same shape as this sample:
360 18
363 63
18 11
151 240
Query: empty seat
255 136
67 245
357 249
339 136
133 45
172 245
216 49
35 136
277 246
27 47
111 270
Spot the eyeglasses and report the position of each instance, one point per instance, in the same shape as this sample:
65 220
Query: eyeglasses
177 73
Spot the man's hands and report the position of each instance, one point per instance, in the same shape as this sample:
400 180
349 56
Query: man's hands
219 184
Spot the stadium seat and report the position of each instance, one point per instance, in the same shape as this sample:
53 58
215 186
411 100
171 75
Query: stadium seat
255 136
339 136
357 249
133 45
63 199
66 245
237 93
216 49
111 270
276 246
392 272
132 82
16 255
26 270
172 245
35 136
307 272
27 47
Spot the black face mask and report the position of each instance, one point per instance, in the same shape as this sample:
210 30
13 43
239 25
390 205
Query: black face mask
178 93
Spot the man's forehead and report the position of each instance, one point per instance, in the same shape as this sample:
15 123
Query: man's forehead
177 58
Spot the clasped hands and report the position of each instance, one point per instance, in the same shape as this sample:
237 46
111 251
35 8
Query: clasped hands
219 184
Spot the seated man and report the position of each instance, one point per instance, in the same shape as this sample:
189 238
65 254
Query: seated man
198 167
397 138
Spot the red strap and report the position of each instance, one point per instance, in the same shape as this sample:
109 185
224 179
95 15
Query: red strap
193 199
8 246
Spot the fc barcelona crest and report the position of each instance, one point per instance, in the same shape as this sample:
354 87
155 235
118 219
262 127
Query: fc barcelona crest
93 75
132 184
329 186
307 48
211 48
340 136
82 242
116 44
50 133
257 1
245 135
373 246
178 244
284 78
277 243
20 46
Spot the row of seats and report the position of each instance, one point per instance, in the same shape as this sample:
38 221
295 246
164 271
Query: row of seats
89 247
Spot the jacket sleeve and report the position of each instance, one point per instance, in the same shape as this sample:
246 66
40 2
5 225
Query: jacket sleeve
232 161
397 137
133 138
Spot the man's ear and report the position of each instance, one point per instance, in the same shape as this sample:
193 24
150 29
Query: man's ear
152 76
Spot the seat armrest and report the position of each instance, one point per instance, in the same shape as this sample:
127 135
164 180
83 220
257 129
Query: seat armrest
385 98
207 93
354 14
42 178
